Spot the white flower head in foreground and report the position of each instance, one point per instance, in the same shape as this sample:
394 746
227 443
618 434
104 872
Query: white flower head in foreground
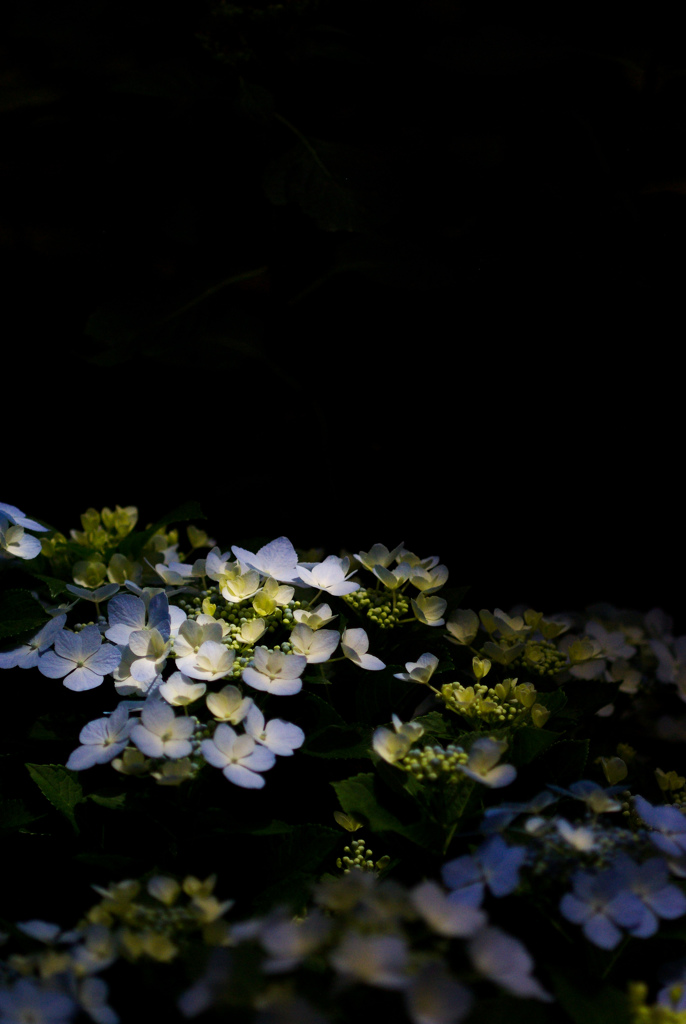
379 960
354 644
229 705
446 916
277 559
429 580
162 734
150 650
276 735
192 636
330 576
419 671
504 960
239 757
377 555
272 595
275 672
15 541
462 626
102 740
179 690
28 1001
28 654
288 942
392 746
315 619
81 660
429 609
484 755
435 997
315 645
212 661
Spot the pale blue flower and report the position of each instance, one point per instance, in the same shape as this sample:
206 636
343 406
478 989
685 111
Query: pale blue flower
669 826
128 614
494 864
101 740
497 818
505 961
80 659
649 883
28 1000
29 654
599 903
17 517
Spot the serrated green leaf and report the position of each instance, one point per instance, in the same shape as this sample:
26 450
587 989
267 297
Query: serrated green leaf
59 785
55 586
434 725
528 742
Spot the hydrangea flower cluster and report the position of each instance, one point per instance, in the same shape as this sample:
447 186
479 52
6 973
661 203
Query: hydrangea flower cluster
523 774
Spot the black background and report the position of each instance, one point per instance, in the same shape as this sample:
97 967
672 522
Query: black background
465 335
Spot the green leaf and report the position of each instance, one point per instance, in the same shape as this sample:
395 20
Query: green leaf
356 796
435 725
55 586
60 786
116 803
15 813
339 741
20 615
606 1004
554 701
528 742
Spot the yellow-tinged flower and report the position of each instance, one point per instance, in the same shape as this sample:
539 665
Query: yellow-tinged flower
539 715
481 667
193 887
164 889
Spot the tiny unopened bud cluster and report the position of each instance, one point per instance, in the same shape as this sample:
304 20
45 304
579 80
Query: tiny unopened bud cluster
431 763
379 607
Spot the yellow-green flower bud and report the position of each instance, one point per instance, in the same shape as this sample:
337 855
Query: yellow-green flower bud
481 667
198 538
669 782
614 769
526 694
539 715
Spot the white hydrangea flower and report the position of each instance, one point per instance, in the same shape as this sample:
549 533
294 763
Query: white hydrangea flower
212 661
315 619
277 559
429 609
315 645
379 960
128 614
276 735
229 705
392 746
445 916
150 650
484 755
271 596
15 541
236 581
191 637
419 671
275 672
101 740
239 757
179 690
392 578
463 626
504 960
354 644
289 941
429 580
330 576
252 630
377 555
160 733
27 1000
29 654
81 660
435 997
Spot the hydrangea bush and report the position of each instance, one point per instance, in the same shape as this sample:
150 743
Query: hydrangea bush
305 786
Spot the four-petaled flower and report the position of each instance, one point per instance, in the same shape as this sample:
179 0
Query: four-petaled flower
101 740
160 733
240 757
80 659
275 672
